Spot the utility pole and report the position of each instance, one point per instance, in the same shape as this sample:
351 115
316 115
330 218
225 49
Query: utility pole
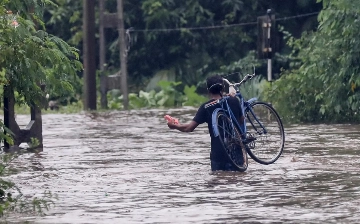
102 35
123 53
267 43
89 55
269 50
102 53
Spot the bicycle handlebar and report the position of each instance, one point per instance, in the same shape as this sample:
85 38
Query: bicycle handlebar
246 78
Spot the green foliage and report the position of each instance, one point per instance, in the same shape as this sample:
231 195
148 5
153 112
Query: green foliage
169 95
253 88
191 97
34 142
244 65
196 53
31 56
325 87
191 53
145 99
64 18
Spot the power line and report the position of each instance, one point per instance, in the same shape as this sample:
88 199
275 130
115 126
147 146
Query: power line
218 26
195 28
298 16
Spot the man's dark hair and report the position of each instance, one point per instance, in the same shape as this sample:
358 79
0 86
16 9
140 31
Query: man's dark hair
215 84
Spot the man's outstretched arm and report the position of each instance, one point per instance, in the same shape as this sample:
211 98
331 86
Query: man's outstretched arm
183 127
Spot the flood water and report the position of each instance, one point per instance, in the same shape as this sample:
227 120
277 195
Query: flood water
128 167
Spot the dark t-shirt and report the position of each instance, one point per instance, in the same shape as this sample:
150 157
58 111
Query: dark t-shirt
204 114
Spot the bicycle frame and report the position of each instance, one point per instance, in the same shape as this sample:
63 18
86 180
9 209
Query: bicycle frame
227 110
256 119
229 129
244 107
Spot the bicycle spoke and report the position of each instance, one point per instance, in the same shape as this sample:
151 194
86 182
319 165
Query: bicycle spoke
267 128
231 141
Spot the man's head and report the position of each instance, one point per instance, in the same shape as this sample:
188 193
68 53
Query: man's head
215 84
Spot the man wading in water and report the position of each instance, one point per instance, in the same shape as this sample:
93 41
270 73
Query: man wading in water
219 158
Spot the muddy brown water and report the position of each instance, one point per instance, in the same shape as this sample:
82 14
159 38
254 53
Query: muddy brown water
128 167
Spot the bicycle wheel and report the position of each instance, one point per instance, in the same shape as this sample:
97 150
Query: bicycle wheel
264 124
230 139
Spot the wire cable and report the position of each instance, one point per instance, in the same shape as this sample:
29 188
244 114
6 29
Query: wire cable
195 28
219 26
298 16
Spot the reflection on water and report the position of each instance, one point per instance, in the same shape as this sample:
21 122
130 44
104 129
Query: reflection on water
130 168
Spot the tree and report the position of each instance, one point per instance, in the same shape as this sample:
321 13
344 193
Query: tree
325 87
29 57
191 54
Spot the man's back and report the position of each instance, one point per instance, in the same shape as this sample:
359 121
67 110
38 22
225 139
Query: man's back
218 154
206 110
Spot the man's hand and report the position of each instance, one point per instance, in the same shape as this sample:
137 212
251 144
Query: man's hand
183 127
172 125
171 119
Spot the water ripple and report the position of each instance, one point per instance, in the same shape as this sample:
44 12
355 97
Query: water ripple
128 167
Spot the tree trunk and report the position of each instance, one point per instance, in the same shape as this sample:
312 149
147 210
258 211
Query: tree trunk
124 85
89 55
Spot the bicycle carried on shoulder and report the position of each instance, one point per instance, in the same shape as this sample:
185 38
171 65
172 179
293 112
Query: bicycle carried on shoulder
261 134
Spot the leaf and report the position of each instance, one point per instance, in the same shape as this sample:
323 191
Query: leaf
163 101
192 98
337 108
322 110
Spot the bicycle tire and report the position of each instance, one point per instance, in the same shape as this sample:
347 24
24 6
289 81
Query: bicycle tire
268 147
231 141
